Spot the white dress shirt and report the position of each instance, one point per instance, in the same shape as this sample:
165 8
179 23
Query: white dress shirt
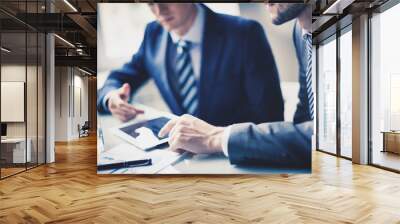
195 37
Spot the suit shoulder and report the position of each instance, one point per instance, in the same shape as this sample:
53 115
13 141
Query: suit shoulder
153 27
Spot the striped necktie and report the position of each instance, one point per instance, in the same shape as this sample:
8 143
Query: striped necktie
186 78
310 93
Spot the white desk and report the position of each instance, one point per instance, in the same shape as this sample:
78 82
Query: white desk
19 155
198 164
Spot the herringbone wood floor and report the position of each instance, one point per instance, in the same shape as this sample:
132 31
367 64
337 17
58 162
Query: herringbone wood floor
69 191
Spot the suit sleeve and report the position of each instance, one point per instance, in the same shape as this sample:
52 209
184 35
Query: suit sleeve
276 144
261 77
134 73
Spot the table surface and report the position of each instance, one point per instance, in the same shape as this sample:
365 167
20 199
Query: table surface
193 164
14 140
390 132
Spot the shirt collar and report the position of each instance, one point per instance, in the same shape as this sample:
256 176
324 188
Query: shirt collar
305 32
195 33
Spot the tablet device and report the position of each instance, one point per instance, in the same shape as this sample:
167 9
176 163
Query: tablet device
144 134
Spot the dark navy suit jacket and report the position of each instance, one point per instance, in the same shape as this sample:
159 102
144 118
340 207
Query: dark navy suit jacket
239 81
277 144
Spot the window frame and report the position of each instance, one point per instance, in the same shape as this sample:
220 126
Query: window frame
371 14
333 37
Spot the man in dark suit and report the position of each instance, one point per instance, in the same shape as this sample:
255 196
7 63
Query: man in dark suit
217 67
276 144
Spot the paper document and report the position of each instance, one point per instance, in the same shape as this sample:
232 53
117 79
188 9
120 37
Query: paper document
161 158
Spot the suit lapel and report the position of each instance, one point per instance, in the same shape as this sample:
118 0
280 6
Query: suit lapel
212 45
161 62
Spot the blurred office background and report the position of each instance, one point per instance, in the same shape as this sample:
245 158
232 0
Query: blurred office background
121 28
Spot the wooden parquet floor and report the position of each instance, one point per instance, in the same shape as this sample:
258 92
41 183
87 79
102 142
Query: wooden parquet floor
70 191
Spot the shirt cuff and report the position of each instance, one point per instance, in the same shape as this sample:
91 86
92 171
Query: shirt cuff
105 99
225 140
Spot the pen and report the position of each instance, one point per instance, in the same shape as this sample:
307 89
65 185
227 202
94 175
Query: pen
126 164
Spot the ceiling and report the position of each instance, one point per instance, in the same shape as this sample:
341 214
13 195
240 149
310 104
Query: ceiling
332 15
75 21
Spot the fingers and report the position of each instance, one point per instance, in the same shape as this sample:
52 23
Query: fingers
193 135
179 151
167 127
128 107
176 142
125 91
123 116
179 134
139 111
170 125
119 106
124 111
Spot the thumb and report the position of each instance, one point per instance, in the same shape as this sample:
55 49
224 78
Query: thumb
125 91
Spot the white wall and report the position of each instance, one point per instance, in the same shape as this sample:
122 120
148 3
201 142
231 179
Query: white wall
33 126
71 96
80 110
12 73
61 103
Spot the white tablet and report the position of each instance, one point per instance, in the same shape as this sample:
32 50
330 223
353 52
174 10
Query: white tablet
143 134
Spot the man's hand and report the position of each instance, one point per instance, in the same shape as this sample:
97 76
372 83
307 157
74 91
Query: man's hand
119 106
192 134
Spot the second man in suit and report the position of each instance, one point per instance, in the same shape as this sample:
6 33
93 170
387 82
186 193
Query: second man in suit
271 144
216 67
